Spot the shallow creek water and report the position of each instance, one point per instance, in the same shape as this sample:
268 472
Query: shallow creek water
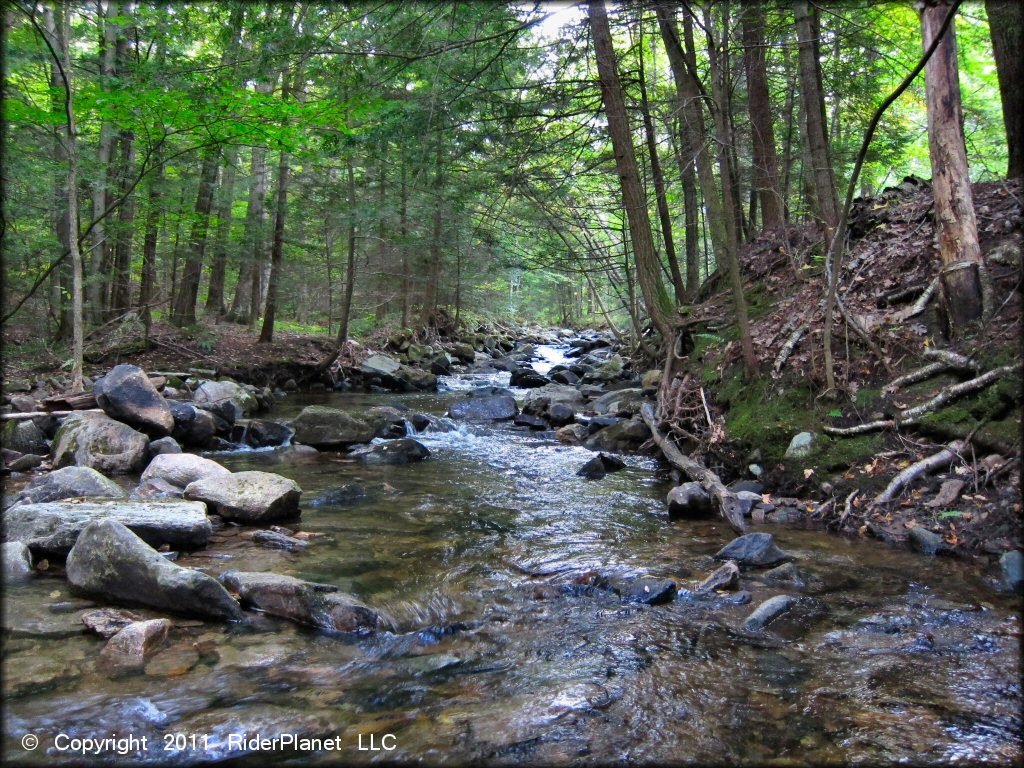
888 657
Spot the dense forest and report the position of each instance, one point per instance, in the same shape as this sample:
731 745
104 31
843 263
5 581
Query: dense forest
337 168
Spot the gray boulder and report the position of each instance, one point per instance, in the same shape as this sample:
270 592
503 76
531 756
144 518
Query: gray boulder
210 394
621 402
304 602
623 437
17 562
260 433
726 576
380 365
192 425
927 542
800 446
181 469
498 408
109 561
689 501
323 427
52 528
69 483
23 436
127 394
344 494
648 590
1011 565
402 451
251 498
753 550
537 401
164 445
134 644
97 441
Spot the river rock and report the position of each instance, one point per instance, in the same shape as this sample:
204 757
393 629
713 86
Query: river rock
622 402
181 469
132 646
111 562
68 483
344 494
17 562
599 466
571 434
240 401
565 376
624 437
127 394
324 427
380 365
498 408
1011 566
402 451
52 528
192 426
304 602
648 590
250 498
24 436
275 540
416 379
689 501
560 414
527 378
787 573
107 622
97 441
533 422
164 445
537 401
261 433
726 576
800 446
753 550
768 610
927 542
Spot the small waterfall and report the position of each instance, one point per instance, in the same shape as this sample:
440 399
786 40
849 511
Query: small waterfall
551 355
464 381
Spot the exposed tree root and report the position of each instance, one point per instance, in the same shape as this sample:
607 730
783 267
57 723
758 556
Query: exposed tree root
925 466
788 347
726 501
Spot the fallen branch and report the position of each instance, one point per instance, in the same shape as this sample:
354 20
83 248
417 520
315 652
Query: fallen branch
945 360
951 358
925 466
726 501
788 347
37 414
911 416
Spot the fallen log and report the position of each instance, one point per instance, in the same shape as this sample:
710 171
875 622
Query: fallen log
37 414
925 466
724 499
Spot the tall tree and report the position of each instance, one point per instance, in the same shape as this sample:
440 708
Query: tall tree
955 222
1006 26
766 173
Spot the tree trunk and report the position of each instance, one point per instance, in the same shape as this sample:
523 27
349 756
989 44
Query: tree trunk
350 265
147 283
664 218
121 289
429 307
403 232
184 312
648 267
955 223
821 173
219 259
277 248
1006 27
60 277
688 178
766 173
242 305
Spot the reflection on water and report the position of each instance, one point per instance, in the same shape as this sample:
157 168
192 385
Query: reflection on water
501 652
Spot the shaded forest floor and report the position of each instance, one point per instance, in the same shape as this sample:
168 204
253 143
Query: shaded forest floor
972 504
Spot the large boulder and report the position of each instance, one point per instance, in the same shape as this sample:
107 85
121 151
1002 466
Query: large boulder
260 433
251 498
181 469
109 561
622 437
416 379
620 402
380 365
318 605
211 394
527 378
127 394
689 500
69 483
17 562
192 425
753 550
537 401
52 528
97 441
499 408
323 427
23 436
405 450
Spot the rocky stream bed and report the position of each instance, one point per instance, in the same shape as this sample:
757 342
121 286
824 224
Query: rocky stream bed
459 557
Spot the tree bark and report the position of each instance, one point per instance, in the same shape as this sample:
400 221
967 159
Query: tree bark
955 223
243 303
403 232
121 288
1006 27
766 172
60 277
184 311
812 95
219 258
350 265
277 247
648 268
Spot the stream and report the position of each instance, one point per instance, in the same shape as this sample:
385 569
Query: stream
889 656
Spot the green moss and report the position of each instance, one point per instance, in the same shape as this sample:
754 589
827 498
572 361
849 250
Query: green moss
758 418
867 395
833 455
